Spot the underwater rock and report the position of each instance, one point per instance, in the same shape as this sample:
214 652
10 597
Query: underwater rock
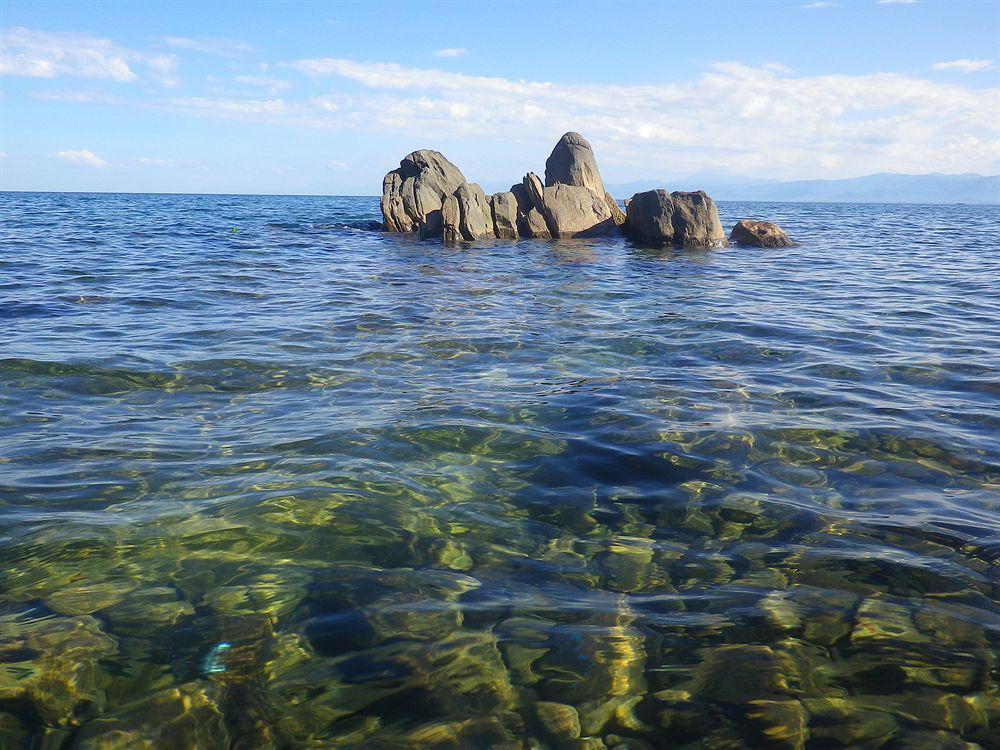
145 610
739 673
559 721
880 620
782 724
52 665
271 593
844 722
87 598
183 717
759 234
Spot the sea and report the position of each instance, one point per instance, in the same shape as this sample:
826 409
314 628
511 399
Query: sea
273 478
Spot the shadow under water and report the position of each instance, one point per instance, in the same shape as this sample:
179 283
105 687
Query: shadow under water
309 485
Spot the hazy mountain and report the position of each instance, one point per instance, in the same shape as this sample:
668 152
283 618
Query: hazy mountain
875 188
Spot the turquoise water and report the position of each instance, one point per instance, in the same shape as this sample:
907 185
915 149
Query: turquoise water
310 485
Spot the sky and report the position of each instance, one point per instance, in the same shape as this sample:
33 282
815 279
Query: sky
325 98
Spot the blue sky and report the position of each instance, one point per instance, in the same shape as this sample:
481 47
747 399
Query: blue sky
315 97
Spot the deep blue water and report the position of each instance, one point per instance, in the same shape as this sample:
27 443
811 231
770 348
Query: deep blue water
305 484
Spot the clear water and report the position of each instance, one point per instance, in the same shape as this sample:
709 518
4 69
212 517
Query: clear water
309 485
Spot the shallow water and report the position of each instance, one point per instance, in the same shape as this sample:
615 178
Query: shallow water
310 485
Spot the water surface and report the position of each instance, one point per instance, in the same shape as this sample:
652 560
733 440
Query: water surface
304 484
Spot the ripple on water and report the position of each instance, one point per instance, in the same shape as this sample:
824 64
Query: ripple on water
307 484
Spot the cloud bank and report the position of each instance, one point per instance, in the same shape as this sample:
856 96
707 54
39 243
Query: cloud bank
41 54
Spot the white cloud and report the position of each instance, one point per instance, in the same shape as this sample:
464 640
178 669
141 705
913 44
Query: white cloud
239 108
42 54
210 45
339 164
964 65
897 2
734 118
77 97
152 162
822 5
84 157
451 52
272 84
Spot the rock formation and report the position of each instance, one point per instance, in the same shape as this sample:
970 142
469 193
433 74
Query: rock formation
430 195
760 234
650 216
412 196
681 218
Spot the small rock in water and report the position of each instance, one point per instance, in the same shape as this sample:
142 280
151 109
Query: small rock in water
759 234
560 722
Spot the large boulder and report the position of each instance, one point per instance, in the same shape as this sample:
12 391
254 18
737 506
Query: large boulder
505 216
696 220
572 211
650 217
412 196
760 234
572 162
475 213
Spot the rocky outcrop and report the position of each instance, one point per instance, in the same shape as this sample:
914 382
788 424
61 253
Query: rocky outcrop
696 220
572 211
412 196
467 215
759 234
689 219
572 162
505 216
429 195
650 217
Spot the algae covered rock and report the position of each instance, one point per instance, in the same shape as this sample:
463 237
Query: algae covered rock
559 721
740 673
183 717
52 665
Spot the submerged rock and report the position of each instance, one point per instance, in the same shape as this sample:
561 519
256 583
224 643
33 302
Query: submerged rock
759 234
51 666
559 721
185 716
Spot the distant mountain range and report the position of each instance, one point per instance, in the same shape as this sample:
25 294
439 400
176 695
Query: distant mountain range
874 188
